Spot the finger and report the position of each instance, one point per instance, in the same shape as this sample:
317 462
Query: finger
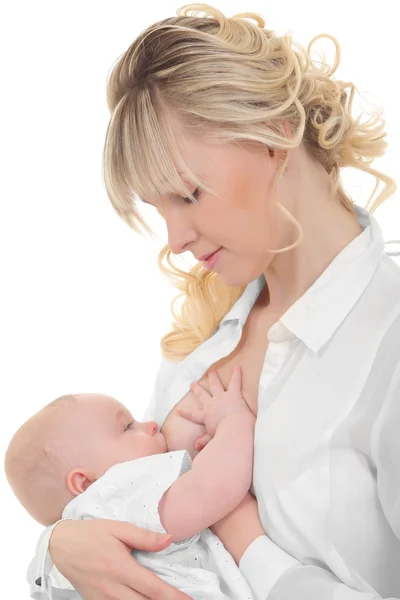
192 414
235 384
202 441
138 538
199 391
151 586
125 593
216 386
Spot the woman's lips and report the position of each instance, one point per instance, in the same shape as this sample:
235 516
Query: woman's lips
212 260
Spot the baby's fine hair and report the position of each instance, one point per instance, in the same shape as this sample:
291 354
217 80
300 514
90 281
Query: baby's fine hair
37 458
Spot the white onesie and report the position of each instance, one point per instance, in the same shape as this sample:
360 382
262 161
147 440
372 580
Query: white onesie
200 566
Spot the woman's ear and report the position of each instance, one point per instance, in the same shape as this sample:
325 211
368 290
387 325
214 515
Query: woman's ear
78 480
282 128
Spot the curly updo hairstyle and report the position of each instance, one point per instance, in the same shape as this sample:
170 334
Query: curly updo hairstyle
229 79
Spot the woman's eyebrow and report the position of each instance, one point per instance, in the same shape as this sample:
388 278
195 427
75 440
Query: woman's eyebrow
151 204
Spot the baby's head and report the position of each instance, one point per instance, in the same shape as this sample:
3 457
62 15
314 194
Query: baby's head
69 444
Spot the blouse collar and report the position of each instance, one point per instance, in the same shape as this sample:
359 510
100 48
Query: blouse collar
316 315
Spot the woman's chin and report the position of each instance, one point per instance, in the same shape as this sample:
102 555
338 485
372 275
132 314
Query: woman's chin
237 279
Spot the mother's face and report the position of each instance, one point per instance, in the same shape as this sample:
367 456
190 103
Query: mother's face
241 217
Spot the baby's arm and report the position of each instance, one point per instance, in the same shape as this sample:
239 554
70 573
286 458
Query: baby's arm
221 473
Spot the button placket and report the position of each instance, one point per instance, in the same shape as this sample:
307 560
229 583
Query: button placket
273 361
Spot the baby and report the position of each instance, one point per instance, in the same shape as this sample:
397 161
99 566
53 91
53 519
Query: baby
84 456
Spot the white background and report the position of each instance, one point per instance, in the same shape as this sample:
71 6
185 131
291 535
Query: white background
83 305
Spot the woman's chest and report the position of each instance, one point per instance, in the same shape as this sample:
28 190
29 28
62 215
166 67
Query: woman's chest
249 354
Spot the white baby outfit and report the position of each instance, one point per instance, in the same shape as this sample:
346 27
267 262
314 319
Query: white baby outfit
200 566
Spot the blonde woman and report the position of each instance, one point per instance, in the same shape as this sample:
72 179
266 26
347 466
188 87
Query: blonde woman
237 137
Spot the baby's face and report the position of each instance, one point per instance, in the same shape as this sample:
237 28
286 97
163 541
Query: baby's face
113 435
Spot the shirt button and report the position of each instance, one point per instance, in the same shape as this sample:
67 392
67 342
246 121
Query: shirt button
274 361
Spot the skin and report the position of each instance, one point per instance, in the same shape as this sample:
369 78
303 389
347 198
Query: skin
245 222
106 435
116 436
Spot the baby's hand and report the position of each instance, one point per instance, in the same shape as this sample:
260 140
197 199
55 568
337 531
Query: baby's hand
218 404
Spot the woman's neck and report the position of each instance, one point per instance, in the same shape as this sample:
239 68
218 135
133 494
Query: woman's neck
327 226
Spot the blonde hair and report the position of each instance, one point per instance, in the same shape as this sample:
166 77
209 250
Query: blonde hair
230 80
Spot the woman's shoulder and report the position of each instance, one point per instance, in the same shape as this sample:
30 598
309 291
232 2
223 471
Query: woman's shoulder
391 266
379 305
381 312
387 279
387 276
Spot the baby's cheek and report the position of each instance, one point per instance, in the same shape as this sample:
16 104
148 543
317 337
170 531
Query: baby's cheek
181 434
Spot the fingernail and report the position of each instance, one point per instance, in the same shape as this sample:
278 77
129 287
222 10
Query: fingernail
163 537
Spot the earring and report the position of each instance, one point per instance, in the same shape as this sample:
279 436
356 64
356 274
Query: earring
282 160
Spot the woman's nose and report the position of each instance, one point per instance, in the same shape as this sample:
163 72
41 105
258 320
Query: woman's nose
180 232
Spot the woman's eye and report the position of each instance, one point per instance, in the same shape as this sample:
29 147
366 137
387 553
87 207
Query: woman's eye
128 426
196 196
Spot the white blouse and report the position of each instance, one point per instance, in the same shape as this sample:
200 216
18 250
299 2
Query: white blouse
327 437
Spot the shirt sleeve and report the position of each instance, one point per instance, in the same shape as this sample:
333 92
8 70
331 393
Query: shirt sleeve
43 585
152 476
273 574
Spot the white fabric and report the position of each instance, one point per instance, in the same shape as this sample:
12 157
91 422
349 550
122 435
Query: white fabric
327 449
253 563
131 491
326 469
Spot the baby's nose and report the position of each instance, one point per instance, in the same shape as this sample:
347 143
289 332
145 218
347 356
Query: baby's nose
152 427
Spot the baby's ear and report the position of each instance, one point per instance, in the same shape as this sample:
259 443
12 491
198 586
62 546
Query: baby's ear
78 480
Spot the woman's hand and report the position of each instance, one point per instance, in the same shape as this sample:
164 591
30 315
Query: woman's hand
95 556
216 405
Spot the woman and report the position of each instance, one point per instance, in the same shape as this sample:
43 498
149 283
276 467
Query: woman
237 139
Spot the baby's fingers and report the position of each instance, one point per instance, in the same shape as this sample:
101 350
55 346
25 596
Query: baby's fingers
202 442
192 414
235 384
216 386
199 391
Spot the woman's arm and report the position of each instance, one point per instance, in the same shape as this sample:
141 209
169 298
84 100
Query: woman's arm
240 528
272 574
